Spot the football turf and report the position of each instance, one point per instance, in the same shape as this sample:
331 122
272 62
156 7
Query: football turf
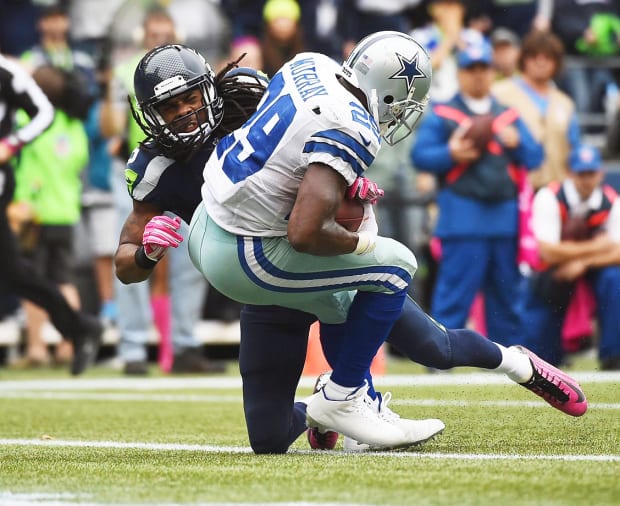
103 439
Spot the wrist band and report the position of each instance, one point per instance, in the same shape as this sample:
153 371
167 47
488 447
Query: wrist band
365 243
12 143
142 260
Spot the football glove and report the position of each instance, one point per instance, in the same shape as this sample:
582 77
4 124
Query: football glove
365 190
160 234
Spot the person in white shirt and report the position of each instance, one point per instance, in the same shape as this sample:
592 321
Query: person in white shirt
577 227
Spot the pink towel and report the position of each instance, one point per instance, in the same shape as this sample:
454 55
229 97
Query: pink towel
527 249
578 319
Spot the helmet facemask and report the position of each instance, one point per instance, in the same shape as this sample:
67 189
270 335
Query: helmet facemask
171 136
405 116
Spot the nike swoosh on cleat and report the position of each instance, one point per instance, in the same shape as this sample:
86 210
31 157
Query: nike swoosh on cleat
580 396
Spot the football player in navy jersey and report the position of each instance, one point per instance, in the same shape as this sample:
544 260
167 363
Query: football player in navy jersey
165 174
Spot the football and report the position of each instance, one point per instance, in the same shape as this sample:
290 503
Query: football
575 229
480 132
350 214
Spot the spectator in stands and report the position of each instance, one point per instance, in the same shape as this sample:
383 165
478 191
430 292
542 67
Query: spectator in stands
48 181
506 51
247 29
359 18
99 214
319 19
186 286
282 36
590 32
477 201
19 91
90 28
519 16
548 112
577 227
18 26
55 48
443 37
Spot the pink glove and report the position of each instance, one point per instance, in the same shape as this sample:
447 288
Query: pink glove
365 190
160 234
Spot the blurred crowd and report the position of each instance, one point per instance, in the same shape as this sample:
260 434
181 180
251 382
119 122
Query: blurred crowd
555 62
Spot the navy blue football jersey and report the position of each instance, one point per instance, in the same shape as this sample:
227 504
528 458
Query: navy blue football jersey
169 184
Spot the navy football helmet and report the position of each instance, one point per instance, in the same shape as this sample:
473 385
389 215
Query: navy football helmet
168 71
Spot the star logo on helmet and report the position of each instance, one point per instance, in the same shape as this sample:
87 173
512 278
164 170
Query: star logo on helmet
409 70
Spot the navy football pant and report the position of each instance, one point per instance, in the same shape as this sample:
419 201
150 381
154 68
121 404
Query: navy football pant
273 350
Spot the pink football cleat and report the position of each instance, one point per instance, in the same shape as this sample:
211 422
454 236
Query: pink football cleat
554 386
322 440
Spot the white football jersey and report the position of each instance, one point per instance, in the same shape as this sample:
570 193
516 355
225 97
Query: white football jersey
306 116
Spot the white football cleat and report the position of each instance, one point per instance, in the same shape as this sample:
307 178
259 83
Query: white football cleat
356 419
417 431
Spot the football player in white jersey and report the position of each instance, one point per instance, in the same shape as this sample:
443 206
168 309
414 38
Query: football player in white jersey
267 234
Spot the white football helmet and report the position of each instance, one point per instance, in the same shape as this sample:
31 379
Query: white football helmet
394 72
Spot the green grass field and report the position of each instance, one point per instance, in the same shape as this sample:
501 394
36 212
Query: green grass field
103 439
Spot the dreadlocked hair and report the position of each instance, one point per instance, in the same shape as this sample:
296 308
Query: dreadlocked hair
241 89
141 123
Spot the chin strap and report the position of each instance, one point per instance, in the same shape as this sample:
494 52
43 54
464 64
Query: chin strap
374 105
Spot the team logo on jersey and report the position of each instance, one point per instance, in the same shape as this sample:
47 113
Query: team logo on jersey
130 179
409 70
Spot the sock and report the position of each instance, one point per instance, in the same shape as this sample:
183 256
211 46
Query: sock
335 392
370 320
372 393
160 305
515 365
331 342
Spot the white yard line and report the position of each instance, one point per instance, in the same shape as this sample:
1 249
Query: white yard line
228 382
242 449
65 499
120 397
237 399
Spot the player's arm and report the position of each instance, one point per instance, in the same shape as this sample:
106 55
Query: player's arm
127 270
22 92
312 227
144 239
